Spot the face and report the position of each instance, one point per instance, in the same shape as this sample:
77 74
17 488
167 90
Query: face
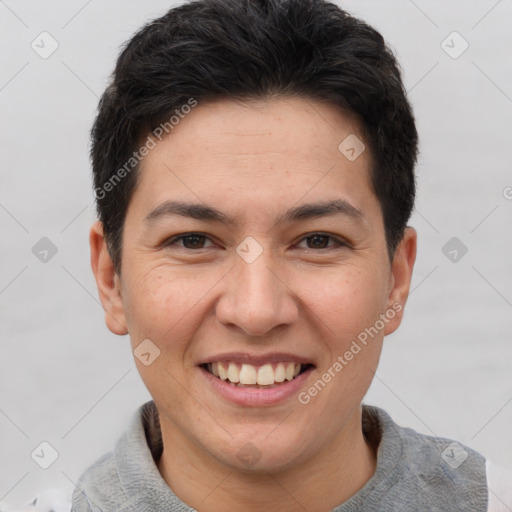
254 251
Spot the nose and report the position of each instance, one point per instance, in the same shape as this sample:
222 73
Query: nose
256 298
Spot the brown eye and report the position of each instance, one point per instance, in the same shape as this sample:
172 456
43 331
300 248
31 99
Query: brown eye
194 241
189 241
318 241
321 241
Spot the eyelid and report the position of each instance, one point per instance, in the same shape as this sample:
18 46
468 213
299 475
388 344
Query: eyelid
172 240
339 241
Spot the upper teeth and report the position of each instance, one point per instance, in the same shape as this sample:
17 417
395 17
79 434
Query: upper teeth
248 374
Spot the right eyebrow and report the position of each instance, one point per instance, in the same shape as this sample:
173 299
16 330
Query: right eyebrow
296 214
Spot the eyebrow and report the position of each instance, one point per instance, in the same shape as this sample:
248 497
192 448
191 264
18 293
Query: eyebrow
299 213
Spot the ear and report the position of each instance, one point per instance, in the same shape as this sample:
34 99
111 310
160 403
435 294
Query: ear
108 282
400 281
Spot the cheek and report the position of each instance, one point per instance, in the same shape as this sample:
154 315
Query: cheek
162 305
345 302
345 308
163 308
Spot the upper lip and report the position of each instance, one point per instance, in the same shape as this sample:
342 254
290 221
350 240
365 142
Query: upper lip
255 359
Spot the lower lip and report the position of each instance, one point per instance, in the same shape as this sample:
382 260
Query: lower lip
257 397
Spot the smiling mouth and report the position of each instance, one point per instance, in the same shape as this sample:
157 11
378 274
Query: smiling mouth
267 376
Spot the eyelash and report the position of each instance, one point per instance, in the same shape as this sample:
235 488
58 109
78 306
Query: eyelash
338 242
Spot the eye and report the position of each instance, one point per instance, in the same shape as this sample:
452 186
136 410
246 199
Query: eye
198 240
188 241
320 241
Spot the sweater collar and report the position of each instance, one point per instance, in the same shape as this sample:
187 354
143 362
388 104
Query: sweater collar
140 447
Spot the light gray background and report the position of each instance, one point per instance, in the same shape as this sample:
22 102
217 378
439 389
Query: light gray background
65 379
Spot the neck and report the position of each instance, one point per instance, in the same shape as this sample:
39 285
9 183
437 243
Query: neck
323 481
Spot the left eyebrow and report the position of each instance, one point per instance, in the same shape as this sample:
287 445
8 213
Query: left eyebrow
299 213
323 209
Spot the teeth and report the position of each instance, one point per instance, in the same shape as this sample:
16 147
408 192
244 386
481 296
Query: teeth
223 374
265 375
249 375
233 373
280 373
290 370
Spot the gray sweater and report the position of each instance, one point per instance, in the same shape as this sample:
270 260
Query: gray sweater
414 472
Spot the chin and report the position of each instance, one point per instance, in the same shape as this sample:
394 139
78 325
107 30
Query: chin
259 455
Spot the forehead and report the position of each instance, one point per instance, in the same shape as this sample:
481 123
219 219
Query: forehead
292 128
257 154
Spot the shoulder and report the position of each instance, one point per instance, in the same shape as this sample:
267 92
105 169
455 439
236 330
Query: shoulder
118 478
95 484
425 469
444 463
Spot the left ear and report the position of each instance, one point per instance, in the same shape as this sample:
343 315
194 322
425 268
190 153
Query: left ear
401 275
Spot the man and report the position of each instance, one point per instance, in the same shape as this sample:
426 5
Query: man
254 173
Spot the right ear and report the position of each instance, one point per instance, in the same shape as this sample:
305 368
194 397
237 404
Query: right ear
107 280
